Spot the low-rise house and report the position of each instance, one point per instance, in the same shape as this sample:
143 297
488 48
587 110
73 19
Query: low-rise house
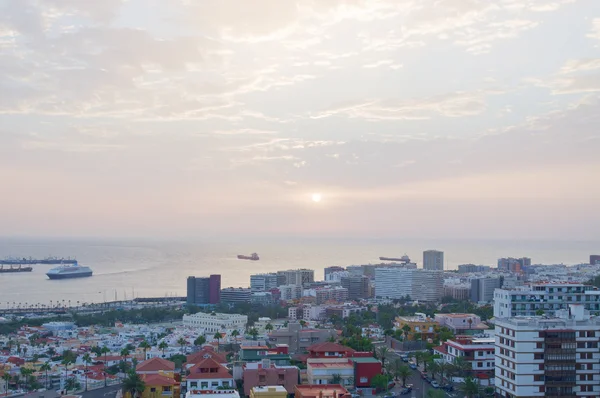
209 375
299 339
478 351
233 393
156 366
205 352
324 370
265 373
321 391
419 327
461 323
159 385
278 355
268 392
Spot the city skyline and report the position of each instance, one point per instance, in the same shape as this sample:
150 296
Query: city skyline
356 118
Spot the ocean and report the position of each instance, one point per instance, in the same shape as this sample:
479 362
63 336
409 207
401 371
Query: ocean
136 268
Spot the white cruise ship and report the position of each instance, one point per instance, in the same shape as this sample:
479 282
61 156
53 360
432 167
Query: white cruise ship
69 271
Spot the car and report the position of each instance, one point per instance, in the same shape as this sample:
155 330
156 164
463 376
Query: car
413 366
406 390
448 387
434 384
404 358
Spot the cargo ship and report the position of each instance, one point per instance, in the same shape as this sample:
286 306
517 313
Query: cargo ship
12 268
253 257
33 261
69 271
403 259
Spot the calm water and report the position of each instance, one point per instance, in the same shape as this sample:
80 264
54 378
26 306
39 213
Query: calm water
155 269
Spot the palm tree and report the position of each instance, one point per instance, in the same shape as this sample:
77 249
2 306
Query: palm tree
182 342
87 358
45 368
235 333
125 353
302 323
403 373
163 346
17 379
336 378
104 350
200 340
469 387
7 378
268 327
133 384
418 357
381 353
145 346
25 372
461 365
72 384
218 336
434 369
254 333
406 330
66 362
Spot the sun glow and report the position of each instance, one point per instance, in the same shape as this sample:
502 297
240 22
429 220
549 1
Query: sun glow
316 197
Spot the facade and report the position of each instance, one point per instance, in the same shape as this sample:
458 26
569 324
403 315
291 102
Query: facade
321 391
307 312
276 356
513 264
357 286
461 323
222 393
274 391
472 268
263 298
264 373
482 289
343 311
322 370
290 292
295 277
235 295
331 293
399 282
263 282
299 339
433 260
365 368
160 385
216 322
209 375
458 292
548 356
479 351
330 270
420 324
156 366
545 298
203 291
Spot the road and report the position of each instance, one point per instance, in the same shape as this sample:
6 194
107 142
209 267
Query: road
106 392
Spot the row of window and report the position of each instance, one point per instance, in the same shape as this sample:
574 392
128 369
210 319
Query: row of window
213 384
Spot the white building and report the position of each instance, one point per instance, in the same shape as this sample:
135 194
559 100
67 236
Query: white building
213 322
307 312
544 297
263 282
399 282
479 351
433 260
233 393
295 276
549 356
322 370
290 292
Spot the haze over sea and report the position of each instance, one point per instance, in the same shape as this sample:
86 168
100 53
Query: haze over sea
151 268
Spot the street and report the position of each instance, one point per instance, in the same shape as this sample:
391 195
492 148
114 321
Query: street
106 392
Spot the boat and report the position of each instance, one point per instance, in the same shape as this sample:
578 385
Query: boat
68 271
12 268
253 257
403 259
32 261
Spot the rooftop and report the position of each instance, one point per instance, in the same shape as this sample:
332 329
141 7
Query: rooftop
266 389
321 390
365 359
155 364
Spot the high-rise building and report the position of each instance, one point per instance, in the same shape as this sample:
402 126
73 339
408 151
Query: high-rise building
290 292
433 260
295 277
595 259
482 289
235 295
263 282
335 268
544 298
548 356
472 268
358 286
333 293
399 282
203 291
513 264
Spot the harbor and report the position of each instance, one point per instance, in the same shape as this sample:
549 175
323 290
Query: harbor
33 261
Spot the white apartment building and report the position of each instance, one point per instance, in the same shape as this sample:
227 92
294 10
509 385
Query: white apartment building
433 260
216 322
479 351
544 297
548 356
263 282
322 370
295 276
307 312
398 282
290 292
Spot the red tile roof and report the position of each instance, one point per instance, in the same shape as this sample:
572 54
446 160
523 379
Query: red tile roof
208 369
329 347
203 354
155 365
157 380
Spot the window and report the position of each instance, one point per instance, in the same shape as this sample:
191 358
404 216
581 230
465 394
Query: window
214 384
480 364
539 345
538 356
204 385
542 389
194 384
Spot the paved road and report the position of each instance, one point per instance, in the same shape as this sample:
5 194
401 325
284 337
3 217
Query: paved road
105 392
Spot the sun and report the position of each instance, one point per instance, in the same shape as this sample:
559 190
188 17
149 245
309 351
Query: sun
316 197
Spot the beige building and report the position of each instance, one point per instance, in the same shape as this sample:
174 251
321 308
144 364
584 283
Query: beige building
268 392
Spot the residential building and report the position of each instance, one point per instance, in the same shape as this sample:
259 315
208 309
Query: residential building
550 356
343 311
299 339
222 393
278 355
203 291
269 392
265 373
307 312
458 292
420 326
262 298
295 277
331 294
513 264
321 391
433 260
209 374
482 289
322 370
235 295
216 322
478 351
461 323
329 350
205 352
546 298
472 268
290 292
365 368
158 385
594 259
156 366
331 270
418 284
357 286
263 282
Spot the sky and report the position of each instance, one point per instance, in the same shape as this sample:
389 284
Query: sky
410 118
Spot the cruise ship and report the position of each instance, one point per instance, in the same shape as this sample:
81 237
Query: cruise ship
69 271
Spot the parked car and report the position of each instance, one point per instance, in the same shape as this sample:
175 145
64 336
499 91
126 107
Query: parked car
434 384
406 390
413 365
448 387
404 358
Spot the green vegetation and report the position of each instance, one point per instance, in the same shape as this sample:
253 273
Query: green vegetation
380 382
133 384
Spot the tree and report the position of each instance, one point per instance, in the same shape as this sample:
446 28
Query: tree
469 387
379 382
200 340
125 353
6 377
25 373
254 333
86 360
381 354
336 378
66 361
45 368
406 330
434 369
104 350
17 380
163 346
403 373
418 357
217 337
145 346
268 327
72 384
182 342
302 323
133 384
461 366
235 333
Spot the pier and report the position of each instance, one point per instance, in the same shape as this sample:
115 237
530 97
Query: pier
33 261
